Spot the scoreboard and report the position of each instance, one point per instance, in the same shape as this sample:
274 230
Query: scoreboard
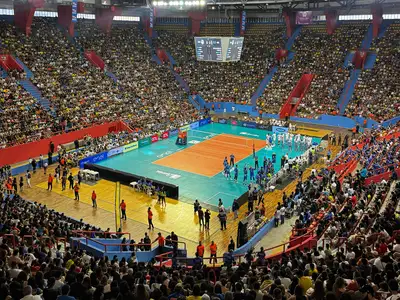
218 49
209 49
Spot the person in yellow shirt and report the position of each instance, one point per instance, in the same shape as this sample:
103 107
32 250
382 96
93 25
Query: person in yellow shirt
196 293
305 281
312 270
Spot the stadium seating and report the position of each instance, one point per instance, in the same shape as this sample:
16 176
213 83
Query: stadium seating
377 93
322 55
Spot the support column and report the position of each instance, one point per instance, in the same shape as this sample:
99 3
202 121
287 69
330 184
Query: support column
105 16
23 14
151 22
377 19
331 20
290 20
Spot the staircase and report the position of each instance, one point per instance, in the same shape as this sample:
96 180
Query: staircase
348 59
112 76
27 71
299 91
33 90
3 73
192 100
367 41
171 59
348 90
182 83
292 39
263 85
385 25
155 58
370 60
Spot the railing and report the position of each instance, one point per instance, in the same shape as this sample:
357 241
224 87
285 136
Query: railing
106 234
87 239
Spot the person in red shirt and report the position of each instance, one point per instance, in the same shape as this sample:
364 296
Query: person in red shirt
213 251
200 250
123 210
161 242
150 218
353 200
76 190
382 248
50 183
94 198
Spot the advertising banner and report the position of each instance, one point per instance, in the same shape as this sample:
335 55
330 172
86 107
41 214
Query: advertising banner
145 142
264 126
74 11
278 129
204 121
243 23
222 121
165 135
93 159
303 17
173 132
194 125
154 138
131 146
249 124
115 151
184 128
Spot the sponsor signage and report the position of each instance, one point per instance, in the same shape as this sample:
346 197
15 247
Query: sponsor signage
243 23
165 135
131 146
264 126
249 124
194 125
154 138
173 132
145 142
204 121
222 121
93 159
184 128
115 151
74 11
278 129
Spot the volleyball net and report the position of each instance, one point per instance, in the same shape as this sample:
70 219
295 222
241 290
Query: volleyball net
222 139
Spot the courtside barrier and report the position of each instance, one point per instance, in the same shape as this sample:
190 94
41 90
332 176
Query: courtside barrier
14 154
141 143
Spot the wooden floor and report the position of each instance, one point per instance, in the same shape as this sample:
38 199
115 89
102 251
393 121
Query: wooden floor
177 216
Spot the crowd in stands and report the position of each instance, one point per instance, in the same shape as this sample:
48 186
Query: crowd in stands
376 151
146 96
322 55
377 92
156 102
22 119
31 269
230 81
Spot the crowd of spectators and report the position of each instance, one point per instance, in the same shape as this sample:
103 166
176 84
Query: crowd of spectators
22 119
377 92
156 102
230 81
146 96
322 55
33 269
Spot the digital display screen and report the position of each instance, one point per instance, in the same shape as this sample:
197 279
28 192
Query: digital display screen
208 49
234 50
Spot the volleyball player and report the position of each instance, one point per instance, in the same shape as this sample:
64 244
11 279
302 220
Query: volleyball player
244 174
236 172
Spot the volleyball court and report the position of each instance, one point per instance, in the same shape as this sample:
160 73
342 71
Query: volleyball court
207 154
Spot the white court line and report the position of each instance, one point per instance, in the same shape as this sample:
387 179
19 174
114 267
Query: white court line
208 132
